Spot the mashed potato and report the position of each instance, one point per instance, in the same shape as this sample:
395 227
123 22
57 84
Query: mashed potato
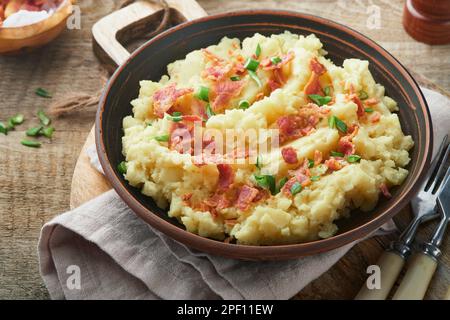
340 144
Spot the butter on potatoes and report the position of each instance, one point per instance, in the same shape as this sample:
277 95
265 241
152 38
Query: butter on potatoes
181 186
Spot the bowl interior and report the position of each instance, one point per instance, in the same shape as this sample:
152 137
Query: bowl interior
150 61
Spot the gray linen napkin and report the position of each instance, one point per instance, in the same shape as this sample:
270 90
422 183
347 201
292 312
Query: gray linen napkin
118 256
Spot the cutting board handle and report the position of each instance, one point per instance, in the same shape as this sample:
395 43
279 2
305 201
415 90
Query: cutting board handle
107 30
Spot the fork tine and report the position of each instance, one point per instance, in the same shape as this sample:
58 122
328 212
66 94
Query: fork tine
437 179
444 180
435 165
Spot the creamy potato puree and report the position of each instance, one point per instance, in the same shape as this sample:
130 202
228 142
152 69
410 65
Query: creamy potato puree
342 147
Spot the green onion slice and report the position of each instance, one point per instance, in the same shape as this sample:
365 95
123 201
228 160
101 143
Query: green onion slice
282 183
48 132
255 77
203 93
296 188
258 51
266 182
17 119
209 111
327 90
315 178
163 138
368 110
337 154
319 100
122 167
235 78
353 158
341 125
363 95
310 163
251 64
3 128
275 60
43 117
31 144
244 104
43 93
33 132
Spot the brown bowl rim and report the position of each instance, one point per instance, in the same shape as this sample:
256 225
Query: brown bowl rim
272 252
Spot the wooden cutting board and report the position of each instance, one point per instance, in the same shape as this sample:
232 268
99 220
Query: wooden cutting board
342 281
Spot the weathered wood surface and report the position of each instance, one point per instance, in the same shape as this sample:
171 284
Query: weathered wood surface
35 184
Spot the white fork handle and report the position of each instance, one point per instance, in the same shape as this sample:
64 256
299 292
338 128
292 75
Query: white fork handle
390 264
417 279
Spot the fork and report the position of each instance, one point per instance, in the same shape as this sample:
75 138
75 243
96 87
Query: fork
423 264
423 205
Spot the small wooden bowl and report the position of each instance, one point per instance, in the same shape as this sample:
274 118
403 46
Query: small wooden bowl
22 39
428 21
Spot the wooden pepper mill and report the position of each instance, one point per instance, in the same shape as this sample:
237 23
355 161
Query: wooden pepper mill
428 21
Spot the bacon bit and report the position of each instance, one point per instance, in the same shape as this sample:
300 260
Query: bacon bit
235 45
273 85
217 72
224 91
262 194
212 57
259 96
246 196
385 191
165 98
226 176
318 157
289 155
376 117
361 112
288 186
218 202
353 130
192 118
239 68
285 59
186 196
371 101
317 67
333 164
346 146
302 124
180 138
231 222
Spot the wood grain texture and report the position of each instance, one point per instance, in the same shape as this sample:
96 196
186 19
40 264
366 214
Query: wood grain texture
36 183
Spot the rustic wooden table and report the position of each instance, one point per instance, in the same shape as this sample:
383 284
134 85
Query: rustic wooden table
35 184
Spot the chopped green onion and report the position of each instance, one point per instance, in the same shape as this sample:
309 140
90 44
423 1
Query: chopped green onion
176 117
275 60
319 100
17 119
31 144
337 154
255 77
235 78
332 122
48 132
266 182
363 95
163 138
209 111
310 163
315 178
3 128
43 93
258 51
244 104
259 163
353 158
368 110
296 188
327 90
203 93
341 125
282 183
43 117
149 124
122 167
11 124
33 132
251 64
